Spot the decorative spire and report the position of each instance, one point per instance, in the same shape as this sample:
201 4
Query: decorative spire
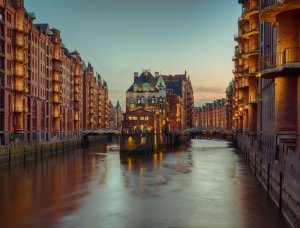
160 82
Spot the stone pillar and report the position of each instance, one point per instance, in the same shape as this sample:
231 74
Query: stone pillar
298 118
288 30
240 123
252 117
245 122
286 103
286 85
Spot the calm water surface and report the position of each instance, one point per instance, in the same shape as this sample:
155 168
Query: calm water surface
202 184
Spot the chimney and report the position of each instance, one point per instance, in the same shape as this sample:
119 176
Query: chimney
156 74
136 75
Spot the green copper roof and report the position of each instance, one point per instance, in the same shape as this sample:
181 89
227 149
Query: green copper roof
50 33
146 84
32 15
160 82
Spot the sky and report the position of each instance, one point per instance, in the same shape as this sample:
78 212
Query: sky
120 37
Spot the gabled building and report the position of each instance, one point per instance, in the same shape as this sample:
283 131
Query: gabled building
180 96
145 101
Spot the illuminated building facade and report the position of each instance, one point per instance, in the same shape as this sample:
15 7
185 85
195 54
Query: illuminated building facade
41 81
268 129
180 97
212 116
146 105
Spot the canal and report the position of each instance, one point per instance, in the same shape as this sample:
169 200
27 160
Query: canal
202 184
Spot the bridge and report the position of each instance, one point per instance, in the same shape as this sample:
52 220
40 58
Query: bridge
100 132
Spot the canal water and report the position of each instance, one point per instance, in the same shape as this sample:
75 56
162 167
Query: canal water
202 184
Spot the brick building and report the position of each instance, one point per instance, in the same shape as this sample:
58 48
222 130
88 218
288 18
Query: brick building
266 105
180 97
212 116
146 104
230 103
42 83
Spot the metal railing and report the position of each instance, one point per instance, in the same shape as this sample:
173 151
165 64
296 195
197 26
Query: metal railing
268 4
250 9
288 56
253 99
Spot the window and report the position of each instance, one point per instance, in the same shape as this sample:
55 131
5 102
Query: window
153 100
135 87
131 100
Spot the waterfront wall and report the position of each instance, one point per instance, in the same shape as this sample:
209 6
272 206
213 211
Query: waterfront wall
10 156
281 186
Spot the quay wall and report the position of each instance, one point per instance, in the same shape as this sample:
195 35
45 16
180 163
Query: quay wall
281 186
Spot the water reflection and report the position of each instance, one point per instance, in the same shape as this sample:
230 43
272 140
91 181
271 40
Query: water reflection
201 184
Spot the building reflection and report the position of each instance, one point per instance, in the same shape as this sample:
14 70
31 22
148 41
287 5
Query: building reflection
56 184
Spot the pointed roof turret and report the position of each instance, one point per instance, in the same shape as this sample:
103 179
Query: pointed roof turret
118 104
160 82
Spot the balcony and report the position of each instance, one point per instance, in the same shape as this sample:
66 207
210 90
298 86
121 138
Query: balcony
252 30
246 53
19 27
243 83
19 109
56 115
20 58
19 86
281 63
57 68
19 73
76 117
271 8
17 42
254 99
76 80
237 37
247 12
57 57
57 99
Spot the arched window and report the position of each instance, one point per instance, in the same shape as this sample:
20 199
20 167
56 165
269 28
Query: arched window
149 100
143 100
34 116
43 117
153 100
138 100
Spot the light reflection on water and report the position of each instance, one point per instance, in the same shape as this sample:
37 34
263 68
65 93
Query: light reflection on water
202 184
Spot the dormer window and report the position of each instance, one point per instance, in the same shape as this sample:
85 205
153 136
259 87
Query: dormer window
135 88
146 87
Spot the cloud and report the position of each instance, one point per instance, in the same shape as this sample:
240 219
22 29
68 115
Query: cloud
207 94
209 89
